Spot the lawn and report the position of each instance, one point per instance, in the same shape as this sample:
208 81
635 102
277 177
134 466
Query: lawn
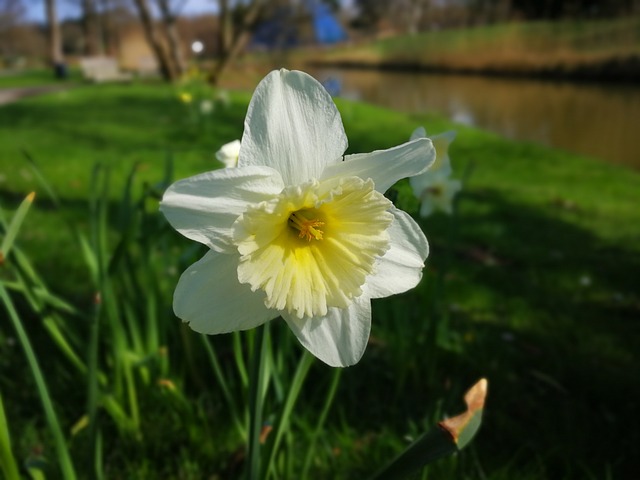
36 78
531 284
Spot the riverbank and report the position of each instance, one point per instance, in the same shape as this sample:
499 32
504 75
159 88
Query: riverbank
607 50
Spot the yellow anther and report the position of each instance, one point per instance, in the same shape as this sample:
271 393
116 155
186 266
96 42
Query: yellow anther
308 228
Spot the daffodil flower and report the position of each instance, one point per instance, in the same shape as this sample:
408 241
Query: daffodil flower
297 230
228 154
437 194
206 107
185 97
434 188
442 165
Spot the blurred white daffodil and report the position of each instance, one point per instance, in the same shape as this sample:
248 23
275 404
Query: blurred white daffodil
228 154
438 194
297 230
206 106
442 165
434 188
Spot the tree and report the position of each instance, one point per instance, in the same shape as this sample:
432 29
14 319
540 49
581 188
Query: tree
169 17
235 21
235 29
91 29
155 39
55 39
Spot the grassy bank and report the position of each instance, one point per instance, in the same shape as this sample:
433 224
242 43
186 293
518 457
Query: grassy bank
533 285
607 50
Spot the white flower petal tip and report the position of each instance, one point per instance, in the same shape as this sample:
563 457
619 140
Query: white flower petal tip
229 153
211 300
296 231
419 132
340 337
403 262
204 207
441 142
293 126
386 167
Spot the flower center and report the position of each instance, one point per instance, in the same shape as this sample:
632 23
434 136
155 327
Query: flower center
280 254
435 190
307 227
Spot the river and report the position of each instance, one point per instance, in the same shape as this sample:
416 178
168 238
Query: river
601 121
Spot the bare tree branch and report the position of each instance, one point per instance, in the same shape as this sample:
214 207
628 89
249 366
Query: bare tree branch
167 68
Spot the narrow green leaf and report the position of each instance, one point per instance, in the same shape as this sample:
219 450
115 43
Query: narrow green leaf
66 466
7 460
41 179
256 382
285 416
222 382
335 381
14 226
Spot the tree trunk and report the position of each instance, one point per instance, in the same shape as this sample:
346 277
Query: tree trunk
92 43
55 40
239 40
167 68
173 37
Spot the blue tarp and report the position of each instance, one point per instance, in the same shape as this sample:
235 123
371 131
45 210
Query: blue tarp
281 30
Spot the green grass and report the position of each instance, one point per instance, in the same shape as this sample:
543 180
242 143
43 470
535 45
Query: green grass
35 78
504 296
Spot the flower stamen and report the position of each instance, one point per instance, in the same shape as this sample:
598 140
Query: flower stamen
307 227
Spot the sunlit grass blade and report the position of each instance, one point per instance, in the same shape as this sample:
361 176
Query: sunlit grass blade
7 460
66 466
451 436
14 226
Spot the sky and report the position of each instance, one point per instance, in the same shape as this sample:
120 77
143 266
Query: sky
35 9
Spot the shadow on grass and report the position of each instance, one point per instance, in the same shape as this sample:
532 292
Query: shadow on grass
560 352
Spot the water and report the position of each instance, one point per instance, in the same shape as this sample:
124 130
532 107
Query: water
600 121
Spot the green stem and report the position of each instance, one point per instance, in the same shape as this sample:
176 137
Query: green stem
222 382
256 390
292 396
66 466
8 463
335 381
92 381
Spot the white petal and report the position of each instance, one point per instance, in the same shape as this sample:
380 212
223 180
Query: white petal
429 179
441 167
228 154
400 268
340 337
210 298
419 132
427 207
441 143
204 207
293 126
386 167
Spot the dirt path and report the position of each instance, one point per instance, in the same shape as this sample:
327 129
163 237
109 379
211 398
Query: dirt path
8 95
